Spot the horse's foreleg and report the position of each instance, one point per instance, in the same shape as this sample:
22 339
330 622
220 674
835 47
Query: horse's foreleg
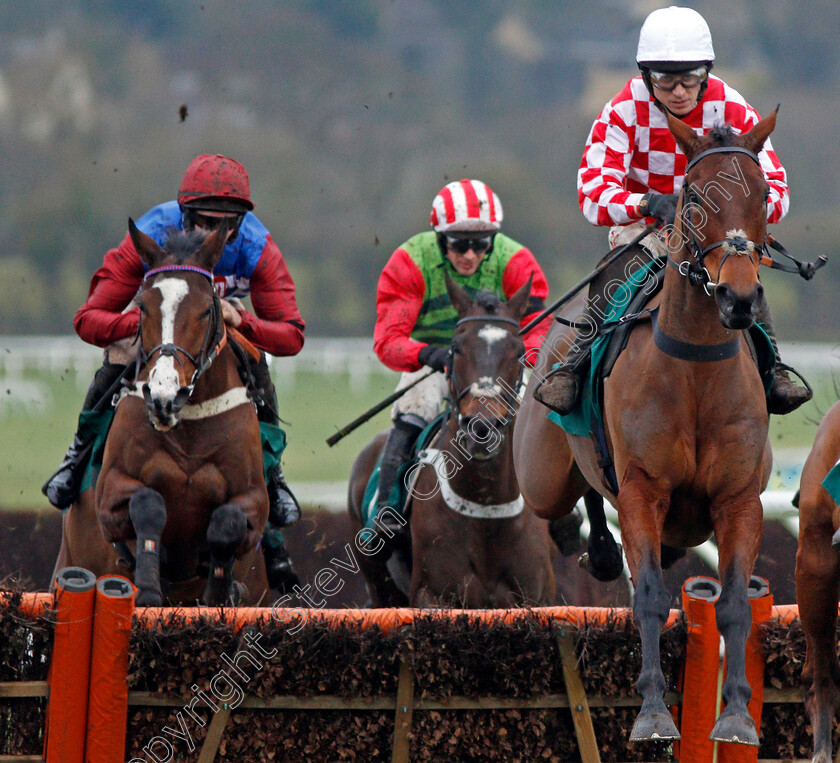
817 576
603 559
225 535
642 511
738 540
147 511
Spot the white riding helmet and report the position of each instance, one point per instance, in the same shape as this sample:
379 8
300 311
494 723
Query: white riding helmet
675 35
466 205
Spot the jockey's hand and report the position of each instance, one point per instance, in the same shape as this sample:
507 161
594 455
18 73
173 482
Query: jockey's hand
230 312
434 357
660 205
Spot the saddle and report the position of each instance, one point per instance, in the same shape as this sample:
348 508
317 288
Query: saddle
401 493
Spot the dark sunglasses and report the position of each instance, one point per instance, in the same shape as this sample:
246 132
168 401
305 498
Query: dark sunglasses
463 245
667 81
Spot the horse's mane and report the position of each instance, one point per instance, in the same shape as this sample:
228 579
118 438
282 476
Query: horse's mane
488 302
722 134
180 244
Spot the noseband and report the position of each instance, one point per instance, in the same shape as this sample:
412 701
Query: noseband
508 396
698 274
214 340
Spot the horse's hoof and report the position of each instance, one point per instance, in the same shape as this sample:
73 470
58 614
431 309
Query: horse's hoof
239 594
652 726
604 568
670 555
737 729
147 598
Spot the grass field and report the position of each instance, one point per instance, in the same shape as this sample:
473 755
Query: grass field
38 418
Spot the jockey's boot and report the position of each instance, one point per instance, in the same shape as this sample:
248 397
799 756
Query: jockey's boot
560 390
278 564
283 507
784 394
63 487
397 451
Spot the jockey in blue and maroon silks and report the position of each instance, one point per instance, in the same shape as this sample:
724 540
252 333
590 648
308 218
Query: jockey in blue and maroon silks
213 187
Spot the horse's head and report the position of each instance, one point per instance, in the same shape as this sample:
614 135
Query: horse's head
181 326
722 219
486 368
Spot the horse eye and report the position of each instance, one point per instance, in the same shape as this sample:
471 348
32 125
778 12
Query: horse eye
207 313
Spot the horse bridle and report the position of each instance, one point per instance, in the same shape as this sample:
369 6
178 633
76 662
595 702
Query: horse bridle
214 340
698 274
455 396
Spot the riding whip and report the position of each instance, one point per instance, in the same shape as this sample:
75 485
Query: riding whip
591 277
333 439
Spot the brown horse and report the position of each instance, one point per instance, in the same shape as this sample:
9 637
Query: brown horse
685 418
473 542
818 583
182 471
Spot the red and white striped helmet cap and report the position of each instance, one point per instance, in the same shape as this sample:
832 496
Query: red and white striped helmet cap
466 205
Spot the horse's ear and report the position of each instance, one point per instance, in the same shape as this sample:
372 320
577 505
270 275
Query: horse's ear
754 139
685 136
145 245
213 246
459 298
518 303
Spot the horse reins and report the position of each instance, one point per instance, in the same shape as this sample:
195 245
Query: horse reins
214 340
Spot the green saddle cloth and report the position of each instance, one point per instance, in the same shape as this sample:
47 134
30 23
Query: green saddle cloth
832 483
588 414
95 425
399 492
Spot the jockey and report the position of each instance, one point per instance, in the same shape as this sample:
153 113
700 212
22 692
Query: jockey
213 187
632 170
415 321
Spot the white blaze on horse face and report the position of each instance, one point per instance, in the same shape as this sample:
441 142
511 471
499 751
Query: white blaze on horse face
491 334
164 380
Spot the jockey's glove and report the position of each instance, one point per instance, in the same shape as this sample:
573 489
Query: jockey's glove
660 205
434 357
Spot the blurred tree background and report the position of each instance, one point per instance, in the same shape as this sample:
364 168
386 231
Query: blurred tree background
351 114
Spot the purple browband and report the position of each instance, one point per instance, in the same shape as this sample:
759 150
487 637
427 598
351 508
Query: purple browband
168 268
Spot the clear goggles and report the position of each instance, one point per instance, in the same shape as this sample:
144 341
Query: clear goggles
667 81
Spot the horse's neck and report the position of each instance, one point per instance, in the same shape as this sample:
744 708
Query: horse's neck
688 313
221 376
486 482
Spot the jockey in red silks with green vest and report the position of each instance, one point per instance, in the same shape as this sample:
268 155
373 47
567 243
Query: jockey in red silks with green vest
415 321
213 187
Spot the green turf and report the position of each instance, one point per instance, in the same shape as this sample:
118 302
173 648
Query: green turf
33 441
314 405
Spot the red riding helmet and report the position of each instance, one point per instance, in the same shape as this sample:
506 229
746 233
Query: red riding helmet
214 180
